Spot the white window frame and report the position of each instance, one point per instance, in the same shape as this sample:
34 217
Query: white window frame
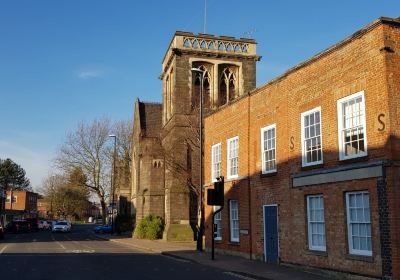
349 227
218 222
213 163
311 221
8 199
263 167
229 142
303 146
340 102
233 222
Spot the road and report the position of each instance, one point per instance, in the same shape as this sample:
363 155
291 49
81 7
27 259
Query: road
81 255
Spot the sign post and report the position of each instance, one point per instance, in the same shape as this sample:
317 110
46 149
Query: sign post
215 197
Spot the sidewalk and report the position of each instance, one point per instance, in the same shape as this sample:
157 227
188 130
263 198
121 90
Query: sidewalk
246 269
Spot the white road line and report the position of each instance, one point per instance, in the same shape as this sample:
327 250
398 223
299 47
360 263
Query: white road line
238 275
62 246
2 250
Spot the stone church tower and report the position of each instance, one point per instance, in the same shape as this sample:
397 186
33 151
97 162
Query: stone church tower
229 67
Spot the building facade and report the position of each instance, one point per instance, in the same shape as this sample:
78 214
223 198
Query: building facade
311 161
165 174
21 205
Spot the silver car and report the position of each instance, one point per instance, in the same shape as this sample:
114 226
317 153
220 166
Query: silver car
61 226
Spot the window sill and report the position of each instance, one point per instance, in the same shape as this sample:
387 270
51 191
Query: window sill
353 159
317 253
369 259
311 167
266 175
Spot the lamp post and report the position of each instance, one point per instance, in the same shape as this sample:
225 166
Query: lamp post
201 229
113 182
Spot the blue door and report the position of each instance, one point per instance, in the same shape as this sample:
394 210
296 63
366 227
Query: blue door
271 233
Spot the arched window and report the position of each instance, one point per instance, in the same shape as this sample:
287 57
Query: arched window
168 97
207 81
227 84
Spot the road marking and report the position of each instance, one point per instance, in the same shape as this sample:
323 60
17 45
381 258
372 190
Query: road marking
62 246
238 275
176 259
81 251
2 250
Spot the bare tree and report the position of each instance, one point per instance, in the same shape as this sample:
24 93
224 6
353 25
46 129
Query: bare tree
87 148
66 194
123 131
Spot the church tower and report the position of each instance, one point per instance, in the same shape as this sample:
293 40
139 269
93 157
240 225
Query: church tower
229 68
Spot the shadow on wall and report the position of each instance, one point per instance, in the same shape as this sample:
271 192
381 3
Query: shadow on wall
243 224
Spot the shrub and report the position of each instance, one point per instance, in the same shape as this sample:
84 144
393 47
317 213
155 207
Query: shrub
123 223
151 227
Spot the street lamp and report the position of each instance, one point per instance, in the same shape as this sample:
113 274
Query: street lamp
201 229
113 182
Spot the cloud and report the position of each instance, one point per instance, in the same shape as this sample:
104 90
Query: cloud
90 74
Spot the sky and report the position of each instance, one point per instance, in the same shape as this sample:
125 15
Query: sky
67 61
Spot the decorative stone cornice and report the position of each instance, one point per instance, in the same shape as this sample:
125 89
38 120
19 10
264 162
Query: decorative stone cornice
209 46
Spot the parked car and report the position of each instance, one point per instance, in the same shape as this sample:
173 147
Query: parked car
61 226
103 229
1 231
33 224
44 225
18 226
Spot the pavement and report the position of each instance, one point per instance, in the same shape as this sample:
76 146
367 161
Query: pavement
238 266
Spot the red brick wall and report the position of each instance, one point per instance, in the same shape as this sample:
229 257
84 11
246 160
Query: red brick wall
359 64
392 43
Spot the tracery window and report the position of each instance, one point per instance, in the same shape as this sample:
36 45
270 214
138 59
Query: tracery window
227 84
207 81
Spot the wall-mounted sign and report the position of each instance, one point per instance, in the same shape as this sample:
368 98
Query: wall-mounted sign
244 232
381 122
291 146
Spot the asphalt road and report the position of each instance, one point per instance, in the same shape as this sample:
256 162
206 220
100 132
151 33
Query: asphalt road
80 255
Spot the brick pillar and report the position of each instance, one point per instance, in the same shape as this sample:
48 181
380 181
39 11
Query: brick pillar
384 227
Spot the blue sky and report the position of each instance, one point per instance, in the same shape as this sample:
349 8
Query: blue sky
66 61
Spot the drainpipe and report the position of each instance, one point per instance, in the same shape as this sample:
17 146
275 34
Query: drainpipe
249 176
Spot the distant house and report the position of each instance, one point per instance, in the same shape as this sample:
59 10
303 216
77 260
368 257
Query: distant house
20 205
43 208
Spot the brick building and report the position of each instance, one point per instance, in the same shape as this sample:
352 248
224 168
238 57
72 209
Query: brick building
311 161
21 205
165 165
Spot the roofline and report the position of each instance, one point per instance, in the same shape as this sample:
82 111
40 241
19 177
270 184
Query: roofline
355 35
209 36
340 44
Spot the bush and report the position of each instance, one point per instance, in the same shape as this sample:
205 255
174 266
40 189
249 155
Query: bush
123 223
151 227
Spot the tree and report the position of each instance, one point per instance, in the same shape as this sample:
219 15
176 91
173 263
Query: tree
89 149
123 158
86 148
13 176
67 194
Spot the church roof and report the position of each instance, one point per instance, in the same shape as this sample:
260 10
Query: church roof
150 118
